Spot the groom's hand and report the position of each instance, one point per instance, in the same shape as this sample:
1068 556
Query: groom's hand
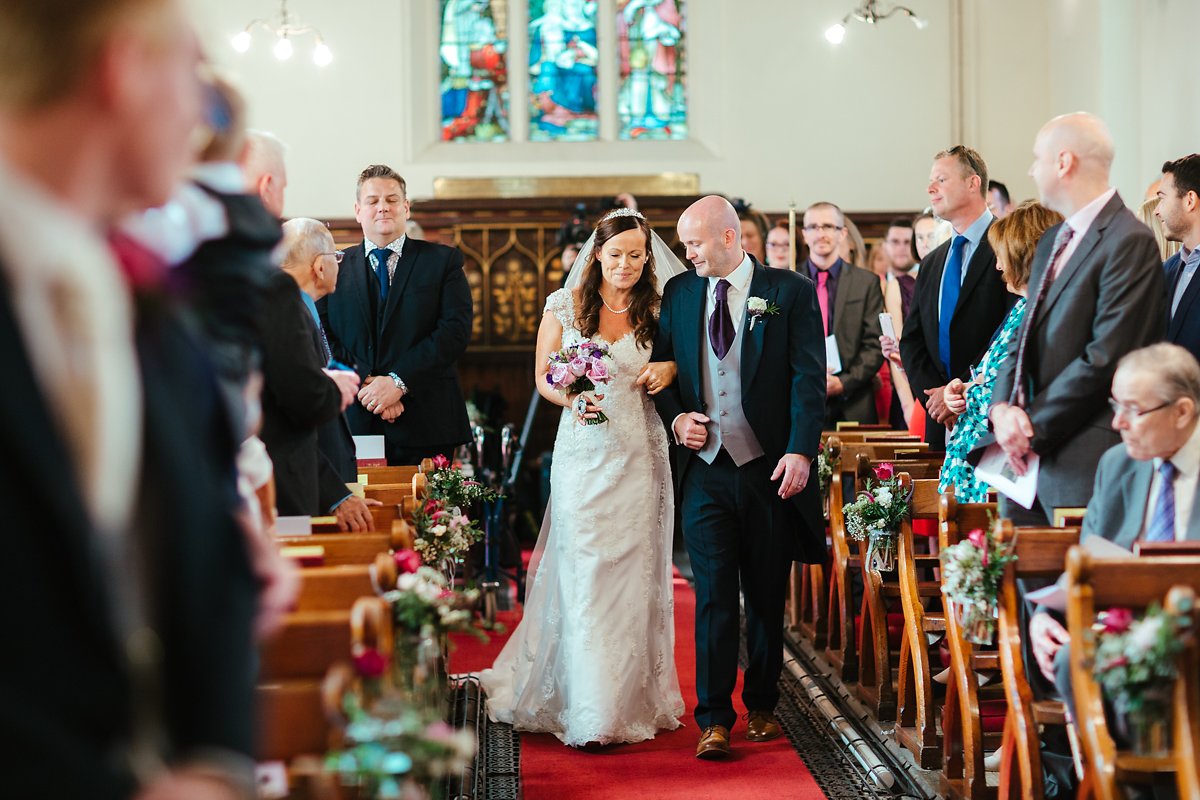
690 431
793 467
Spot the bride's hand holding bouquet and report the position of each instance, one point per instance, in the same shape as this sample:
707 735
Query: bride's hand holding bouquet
577 372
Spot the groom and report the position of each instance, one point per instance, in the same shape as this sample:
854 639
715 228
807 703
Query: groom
748 407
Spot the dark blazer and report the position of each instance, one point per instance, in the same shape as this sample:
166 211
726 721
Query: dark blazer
783 378
419 335
1183 327
69 699
297 399
1117 509
856 309
1106 301
982 305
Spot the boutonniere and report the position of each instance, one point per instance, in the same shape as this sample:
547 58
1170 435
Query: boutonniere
758 308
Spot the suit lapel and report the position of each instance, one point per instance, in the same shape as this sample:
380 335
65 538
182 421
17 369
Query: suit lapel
752 340
1185 302
404 269
1137 490
845 286
695 338
353 280
975 271
1086 245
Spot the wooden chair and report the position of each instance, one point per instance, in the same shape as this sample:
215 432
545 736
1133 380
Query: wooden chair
841 650
916 712
1094 584
1040 553
964 734
1182 600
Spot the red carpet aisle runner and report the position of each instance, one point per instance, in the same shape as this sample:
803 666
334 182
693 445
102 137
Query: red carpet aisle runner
665 767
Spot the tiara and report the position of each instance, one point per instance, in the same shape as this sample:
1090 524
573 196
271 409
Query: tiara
624 212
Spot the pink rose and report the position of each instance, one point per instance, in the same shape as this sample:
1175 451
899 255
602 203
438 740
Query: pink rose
370 663
559 374
885 471
1117 620
407 560
578 367
440 462
978 538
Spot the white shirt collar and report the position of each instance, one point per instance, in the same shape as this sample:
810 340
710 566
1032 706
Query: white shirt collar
396 246
221 176
1081 220
1186 458
739 279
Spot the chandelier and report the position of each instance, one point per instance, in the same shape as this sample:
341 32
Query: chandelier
284 31
870 13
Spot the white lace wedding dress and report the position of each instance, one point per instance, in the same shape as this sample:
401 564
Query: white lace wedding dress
593 658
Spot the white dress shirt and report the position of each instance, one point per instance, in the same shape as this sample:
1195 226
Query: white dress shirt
974 233
1079 222
396 247
1187 464
75 316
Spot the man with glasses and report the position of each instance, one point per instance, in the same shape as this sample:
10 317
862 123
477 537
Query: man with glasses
300 393
960 298
1096 292
1145 488
850 302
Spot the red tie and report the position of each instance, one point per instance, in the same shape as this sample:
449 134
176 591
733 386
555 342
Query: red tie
823 297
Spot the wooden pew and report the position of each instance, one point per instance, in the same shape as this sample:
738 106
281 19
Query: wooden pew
1040 553
870 436
383 517
964 739
388 474
1095 584
1183 600
333 588
353 548
841 646
916 712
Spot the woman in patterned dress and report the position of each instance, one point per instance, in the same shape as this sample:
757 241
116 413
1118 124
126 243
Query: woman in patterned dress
1014 239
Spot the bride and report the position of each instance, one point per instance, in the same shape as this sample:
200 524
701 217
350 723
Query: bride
593 658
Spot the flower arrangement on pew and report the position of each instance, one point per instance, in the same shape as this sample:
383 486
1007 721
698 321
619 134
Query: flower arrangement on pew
1135 662
876 514
448 482
395 751
423 597
824 474
443 535
972 570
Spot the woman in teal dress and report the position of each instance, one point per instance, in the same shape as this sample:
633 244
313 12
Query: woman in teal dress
1014 239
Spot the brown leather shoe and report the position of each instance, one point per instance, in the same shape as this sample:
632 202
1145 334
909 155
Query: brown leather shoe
761 726
714 743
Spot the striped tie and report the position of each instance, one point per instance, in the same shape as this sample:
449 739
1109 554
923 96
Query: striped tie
1162 524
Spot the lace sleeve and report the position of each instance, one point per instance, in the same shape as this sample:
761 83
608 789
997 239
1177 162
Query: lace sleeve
561 303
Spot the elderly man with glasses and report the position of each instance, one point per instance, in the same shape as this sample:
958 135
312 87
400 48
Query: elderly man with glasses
301 392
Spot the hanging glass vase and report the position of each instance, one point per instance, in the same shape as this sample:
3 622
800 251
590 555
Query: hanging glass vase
881 550
977 620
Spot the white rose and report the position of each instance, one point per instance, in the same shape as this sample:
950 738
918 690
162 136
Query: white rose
883 497
406 582
756 305
1145 634
438 530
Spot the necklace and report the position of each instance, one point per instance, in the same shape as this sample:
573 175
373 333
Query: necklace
615 310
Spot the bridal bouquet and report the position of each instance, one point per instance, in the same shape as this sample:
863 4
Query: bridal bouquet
580 368
876 514
972 571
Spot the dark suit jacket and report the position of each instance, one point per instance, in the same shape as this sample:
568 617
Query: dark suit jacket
783 378
1183 328
1117 509
297 399
856 309
1106 301
982 305
69 698
419 335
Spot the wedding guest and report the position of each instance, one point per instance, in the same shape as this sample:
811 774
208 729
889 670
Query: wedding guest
133 604
850 302
1178 215
853 250
879 262
1099 295
960 298
755 226
999 202
264 169
897 297
779 247
1014 240
402 319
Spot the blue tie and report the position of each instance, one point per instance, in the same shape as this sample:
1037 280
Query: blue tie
381 271
951 287
1162 524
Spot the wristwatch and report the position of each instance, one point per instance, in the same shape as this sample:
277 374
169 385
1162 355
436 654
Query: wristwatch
401 385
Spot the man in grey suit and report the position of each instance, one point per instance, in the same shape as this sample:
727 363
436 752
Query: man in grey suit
1145 488
850 301
1096 293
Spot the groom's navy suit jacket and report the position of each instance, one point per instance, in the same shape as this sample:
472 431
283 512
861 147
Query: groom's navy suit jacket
783 378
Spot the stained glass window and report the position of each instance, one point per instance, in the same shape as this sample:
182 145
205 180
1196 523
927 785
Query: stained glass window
651 99
562 70
474 41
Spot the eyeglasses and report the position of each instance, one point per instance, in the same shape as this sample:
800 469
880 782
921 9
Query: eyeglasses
777 244
824 228
1131 412
338 255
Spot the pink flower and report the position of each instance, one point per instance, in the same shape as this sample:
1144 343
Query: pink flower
407 560
440 462
578 366
598 373
1117 620
559 374
978 538
370 663
885 471
1119 661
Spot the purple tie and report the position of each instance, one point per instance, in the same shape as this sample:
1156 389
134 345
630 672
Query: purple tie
720 324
